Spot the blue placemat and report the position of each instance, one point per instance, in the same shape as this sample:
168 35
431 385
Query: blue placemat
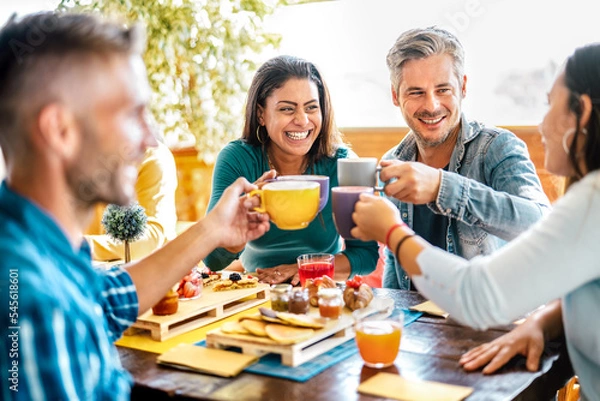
270 364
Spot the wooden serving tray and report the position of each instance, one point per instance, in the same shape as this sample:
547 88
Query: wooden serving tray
208 308
333 334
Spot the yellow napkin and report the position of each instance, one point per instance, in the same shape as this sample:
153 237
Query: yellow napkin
389 385
206 360
430 308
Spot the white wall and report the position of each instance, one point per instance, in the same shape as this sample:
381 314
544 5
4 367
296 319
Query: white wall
513 49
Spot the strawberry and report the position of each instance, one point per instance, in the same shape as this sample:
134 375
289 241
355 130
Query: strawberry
354 282
189 290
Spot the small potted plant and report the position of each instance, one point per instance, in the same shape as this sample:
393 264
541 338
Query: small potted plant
125 223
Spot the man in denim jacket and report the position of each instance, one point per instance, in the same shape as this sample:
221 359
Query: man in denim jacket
462 186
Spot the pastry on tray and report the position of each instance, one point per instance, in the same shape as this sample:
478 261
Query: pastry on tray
313 286
255 327
292 319
288 335
301 320
209 278
168 305
283 334
233 328
282 327
234 282
357 294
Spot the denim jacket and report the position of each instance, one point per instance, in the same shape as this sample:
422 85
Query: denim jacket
490 194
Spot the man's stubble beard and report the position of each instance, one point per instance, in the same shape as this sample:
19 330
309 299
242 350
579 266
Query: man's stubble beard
94 178
424 143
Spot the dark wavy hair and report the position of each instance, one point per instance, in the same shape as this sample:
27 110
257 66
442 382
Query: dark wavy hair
272 75
582 76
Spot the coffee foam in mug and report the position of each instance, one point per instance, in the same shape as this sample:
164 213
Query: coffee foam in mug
291 184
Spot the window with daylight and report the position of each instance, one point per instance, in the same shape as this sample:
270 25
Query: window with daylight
513 50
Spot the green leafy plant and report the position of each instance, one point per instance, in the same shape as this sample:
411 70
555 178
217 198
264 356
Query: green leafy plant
125 223
200 57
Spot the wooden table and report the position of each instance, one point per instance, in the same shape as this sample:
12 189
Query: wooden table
430 350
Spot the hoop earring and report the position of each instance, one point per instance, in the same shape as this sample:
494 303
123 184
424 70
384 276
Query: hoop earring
258 136
570 132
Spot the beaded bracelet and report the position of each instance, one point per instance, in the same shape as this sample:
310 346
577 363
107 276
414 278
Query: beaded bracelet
390 231
397 254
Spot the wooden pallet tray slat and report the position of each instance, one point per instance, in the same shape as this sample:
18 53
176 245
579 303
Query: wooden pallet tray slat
333 334
210 307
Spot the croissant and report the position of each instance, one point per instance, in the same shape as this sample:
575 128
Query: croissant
356 298
314 285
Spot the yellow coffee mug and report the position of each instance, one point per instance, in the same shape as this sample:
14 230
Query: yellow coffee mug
291 205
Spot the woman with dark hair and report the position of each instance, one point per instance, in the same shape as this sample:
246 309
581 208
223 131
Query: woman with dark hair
289 130
556 262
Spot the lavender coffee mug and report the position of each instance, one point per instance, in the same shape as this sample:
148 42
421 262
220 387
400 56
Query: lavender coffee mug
343 200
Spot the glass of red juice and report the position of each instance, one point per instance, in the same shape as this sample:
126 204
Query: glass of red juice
313 265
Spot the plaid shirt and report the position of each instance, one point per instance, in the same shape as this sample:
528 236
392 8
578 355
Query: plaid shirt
62 315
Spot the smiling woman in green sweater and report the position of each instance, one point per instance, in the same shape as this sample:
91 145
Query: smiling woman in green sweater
289 130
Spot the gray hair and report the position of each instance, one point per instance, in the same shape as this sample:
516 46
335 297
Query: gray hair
421 43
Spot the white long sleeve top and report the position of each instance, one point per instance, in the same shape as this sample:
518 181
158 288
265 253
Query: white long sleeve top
559 257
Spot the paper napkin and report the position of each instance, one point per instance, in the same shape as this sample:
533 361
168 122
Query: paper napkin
206 360
430 308
390 385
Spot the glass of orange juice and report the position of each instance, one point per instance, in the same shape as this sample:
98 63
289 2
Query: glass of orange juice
378 339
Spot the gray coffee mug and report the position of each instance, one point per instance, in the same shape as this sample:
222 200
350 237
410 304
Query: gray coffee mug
343 200
361 172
